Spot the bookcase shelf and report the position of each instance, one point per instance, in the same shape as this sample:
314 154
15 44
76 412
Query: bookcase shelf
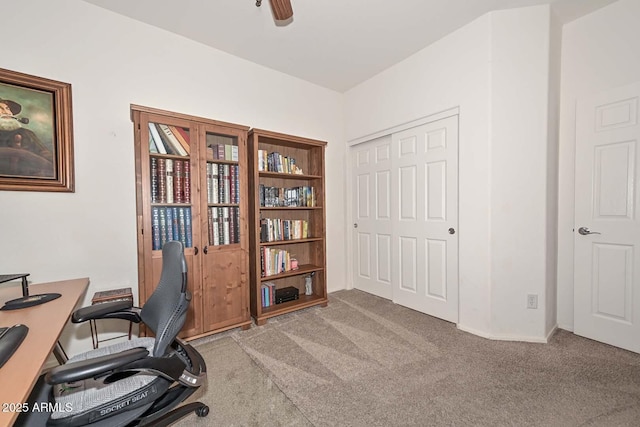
303 301
209 190
297 199
292 241
288 175
302 269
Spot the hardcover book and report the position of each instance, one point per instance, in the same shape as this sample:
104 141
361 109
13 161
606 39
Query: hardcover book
153 132
172 140
181 140
113 294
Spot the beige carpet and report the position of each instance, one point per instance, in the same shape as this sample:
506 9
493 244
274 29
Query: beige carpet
364 361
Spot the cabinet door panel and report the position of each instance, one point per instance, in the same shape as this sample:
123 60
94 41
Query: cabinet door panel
225 289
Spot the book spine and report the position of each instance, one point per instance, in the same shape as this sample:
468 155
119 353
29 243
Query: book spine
185 134
152 145
263 289
165 141
169 179
220 226
163 227
186 170
232 186
178 182
226 226
162 181
237 224
154 180
156 138
155 229
227 184
215 183
182 226
169 231
187 228
215 226
183 143
209 183
175 227
264 236
232 225
210 225
221 180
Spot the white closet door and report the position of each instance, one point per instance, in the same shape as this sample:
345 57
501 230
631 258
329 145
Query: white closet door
424 220
372 217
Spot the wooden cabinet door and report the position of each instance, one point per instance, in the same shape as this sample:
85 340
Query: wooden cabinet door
225 299
223 225
149 205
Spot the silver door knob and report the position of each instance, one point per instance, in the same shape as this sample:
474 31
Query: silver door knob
355 225
584 231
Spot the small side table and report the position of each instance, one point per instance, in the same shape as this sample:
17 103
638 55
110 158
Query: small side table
122 294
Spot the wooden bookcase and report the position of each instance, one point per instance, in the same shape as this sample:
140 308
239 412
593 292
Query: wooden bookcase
282 200
206 211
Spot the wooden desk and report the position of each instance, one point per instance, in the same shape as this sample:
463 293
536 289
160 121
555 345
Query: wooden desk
46 322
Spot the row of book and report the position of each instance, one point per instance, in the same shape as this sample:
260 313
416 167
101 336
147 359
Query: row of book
167 139
170 180
268 290
303 196
227 152
276 162
223 183
224 225
277 229
276 261
170 223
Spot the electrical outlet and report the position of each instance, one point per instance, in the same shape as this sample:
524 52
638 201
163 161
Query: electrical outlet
532 301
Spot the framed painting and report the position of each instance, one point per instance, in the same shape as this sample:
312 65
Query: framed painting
36 134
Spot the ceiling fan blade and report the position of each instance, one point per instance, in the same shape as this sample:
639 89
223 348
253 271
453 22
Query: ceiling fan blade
282 9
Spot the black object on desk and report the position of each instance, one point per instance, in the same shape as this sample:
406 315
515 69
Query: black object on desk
10 340
26 300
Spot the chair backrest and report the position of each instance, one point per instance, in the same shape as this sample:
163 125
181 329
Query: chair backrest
166 309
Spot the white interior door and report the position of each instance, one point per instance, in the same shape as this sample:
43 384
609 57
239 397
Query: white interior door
372 217
425 218
607 261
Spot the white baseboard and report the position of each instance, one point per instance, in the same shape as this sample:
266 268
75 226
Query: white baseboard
521 338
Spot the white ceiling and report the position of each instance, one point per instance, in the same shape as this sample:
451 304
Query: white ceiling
333 43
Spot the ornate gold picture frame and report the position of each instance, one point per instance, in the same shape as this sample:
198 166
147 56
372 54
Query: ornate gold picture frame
36 133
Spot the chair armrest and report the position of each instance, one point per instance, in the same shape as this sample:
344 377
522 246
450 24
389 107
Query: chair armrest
168 367
108 310
90 368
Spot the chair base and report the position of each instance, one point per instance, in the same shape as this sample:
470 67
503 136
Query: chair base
200 409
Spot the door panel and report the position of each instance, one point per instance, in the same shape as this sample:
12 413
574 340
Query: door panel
426 165
607 259
372 217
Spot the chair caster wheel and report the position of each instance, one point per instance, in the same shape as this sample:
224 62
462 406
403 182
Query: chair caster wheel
202 411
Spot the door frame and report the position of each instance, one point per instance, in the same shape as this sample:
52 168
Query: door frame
351 158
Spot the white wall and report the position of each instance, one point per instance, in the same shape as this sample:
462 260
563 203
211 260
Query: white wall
600 51
496 70
553 130
111 62
519 131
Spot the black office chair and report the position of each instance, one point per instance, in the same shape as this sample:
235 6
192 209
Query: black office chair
137 382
